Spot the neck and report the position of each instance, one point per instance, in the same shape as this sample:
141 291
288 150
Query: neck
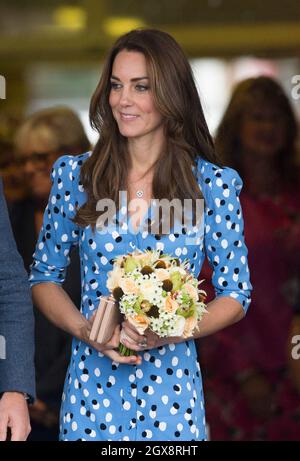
144 152
260 174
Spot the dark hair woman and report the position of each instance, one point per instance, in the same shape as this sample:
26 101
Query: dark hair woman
154 144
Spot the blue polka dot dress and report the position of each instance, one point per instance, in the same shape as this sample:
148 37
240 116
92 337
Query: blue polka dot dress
161 399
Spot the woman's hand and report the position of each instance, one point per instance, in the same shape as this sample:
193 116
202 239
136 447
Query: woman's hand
110 349
131 338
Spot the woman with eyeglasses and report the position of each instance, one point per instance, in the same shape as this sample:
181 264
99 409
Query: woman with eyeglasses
40 140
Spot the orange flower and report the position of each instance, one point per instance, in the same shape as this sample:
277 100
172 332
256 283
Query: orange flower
140 323
190 325
192 291
171 305
129 287
162 274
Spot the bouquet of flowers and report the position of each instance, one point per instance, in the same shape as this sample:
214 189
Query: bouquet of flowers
157 292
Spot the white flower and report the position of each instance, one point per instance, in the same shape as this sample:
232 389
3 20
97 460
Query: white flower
114 278
177 269
150 290
178 326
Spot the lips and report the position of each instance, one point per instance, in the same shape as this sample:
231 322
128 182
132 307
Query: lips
128 117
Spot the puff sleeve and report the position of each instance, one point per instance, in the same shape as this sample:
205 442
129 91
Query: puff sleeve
224 233
58 233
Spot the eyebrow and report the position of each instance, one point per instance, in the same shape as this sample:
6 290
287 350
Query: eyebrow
132 79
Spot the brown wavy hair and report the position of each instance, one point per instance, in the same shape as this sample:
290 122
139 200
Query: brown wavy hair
187 136
246 95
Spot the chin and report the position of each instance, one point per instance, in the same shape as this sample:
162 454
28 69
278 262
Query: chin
129 133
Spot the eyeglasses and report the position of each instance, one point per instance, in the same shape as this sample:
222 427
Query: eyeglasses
34 157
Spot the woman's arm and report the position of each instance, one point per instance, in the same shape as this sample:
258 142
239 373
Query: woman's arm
222 312
51 299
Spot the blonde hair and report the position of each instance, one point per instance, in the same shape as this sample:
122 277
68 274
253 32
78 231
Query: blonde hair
56 129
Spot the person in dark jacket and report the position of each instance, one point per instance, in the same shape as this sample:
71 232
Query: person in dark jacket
17 383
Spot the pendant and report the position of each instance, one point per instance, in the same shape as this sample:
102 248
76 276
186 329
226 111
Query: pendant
139 193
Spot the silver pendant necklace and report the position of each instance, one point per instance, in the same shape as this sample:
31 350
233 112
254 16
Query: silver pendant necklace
139 193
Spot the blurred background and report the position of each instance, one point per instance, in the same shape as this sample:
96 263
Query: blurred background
51 50
51 53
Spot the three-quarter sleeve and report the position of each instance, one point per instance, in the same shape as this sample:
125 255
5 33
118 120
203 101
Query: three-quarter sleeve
224 234
58 233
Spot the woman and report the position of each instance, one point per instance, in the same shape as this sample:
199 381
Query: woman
257 136
154 143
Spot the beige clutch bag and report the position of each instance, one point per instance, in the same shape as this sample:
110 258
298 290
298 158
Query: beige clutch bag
107 318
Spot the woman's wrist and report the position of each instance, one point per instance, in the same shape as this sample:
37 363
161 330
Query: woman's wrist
82 331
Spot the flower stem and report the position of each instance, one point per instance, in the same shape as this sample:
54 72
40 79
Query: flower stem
125 351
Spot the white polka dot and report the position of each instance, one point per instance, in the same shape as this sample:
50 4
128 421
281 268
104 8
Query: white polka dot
157 363
178 251
139 373
148 434
109 246
165 399
162 426
179 426
131 378
224 243
64 238
106 403
103 260
179 373
112 429
97 372
74 426
44 258
73 399
126 405
108 417
86 393
175 361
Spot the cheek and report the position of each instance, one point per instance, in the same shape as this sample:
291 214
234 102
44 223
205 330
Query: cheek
112 100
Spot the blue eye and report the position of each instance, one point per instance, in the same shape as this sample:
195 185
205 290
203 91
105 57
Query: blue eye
142 88
115 86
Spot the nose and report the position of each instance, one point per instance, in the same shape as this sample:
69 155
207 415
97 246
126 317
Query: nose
125 97
28 167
